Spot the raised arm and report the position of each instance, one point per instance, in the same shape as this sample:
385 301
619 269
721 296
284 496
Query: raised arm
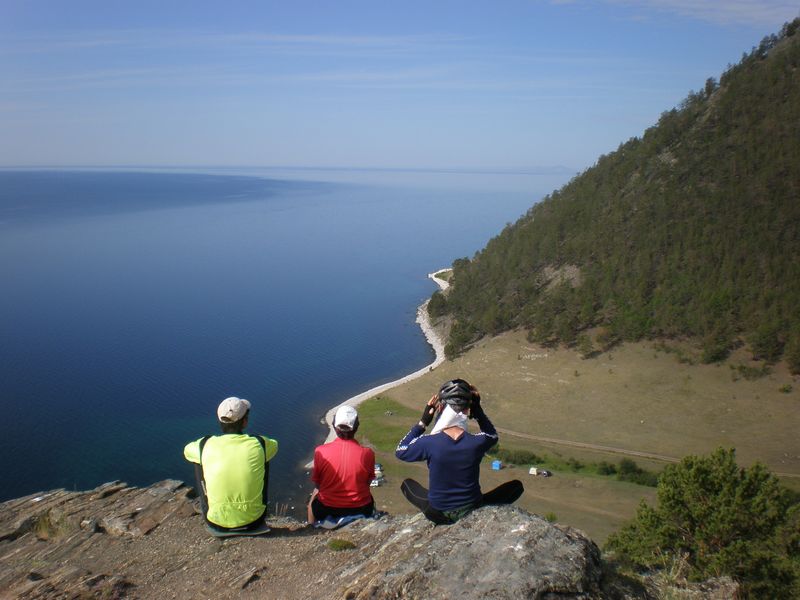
477 413
408 449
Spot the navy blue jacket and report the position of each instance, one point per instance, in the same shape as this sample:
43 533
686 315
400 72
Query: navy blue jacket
453 465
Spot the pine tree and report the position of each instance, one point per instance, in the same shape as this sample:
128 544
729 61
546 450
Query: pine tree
722 520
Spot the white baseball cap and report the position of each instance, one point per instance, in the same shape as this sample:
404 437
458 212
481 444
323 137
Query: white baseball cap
232 409
345 417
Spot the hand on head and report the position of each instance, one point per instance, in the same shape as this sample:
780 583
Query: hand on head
429 410
475 405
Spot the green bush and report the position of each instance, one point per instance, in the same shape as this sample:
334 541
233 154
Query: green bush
792 353
765 342
716 347
629 471
750 373
606 468
585 346
680 354
515 457
461 335
574 464
437 305
724 521
607 339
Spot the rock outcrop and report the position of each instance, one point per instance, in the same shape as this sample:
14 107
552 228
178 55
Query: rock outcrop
118 541
51 543
495 552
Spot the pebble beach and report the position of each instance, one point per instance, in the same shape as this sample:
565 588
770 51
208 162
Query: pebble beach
433 338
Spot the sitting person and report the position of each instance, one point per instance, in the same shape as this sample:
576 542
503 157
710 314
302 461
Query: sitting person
342 473
232 470
453 456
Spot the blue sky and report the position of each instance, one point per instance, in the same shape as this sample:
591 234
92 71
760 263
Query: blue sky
500 84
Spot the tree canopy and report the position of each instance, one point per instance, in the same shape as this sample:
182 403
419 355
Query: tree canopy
692 229
721 520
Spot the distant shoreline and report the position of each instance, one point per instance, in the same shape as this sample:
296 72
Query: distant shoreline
433 338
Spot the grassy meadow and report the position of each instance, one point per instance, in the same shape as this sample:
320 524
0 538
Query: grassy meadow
641 397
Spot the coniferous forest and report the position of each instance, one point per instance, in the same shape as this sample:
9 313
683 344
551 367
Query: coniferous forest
691 230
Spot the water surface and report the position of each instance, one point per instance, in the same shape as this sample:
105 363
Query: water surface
134 302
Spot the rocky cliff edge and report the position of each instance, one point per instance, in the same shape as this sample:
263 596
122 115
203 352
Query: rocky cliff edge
118 541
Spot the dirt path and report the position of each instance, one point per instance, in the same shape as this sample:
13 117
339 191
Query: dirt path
587 446
608 449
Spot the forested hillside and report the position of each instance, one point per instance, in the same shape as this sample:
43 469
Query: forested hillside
691 230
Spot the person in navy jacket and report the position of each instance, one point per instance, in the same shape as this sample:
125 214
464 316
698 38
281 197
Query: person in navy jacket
453 456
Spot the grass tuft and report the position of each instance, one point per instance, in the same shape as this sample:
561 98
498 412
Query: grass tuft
340 544
49 526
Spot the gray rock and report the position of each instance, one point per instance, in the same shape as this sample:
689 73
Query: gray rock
118 541
495 552
115 525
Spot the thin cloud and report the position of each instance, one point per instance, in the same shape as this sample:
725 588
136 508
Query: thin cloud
445 77
423 66
110 79
767 13
300 43
428 70
19 107
356 41
33 44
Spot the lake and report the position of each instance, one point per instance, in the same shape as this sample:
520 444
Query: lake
134 301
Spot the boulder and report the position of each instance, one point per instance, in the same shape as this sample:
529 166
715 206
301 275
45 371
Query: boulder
494 552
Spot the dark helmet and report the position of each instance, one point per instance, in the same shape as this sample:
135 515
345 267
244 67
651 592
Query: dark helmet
457 393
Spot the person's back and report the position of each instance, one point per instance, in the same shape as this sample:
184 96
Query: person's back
453 456
232 469
343 470
454 468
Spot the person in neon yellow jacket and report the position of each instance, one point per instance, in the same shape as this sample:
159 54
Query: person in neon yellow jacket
232 470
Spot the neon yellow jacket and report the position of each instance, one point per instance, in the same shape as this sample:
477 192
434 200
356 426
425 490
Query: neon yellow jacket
233 468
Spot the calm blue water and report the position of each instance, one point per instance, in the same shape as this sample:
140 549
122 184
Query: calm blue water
133 302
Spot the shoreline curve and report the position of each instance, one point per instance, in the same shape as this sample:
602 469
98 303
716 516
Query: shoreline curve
432 337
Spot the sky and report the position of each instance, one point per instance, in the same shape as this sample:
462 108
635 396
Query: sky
495 84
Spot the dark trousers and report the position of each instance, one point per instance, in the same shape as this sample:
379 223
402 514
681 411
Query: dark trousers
321 511
417 494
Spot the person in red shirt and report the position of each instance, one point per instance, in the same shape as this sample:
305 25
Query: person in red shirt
342 473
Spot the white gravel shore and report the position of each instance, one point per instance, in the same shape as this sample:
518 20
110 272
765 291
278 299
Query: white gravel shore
433 339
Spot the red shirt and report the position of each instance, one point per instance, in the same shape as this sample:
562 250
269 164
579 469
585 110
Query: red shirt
342 472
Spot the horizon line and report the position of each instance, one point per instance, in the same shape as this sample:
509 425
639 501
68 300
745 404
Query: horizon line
534 170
